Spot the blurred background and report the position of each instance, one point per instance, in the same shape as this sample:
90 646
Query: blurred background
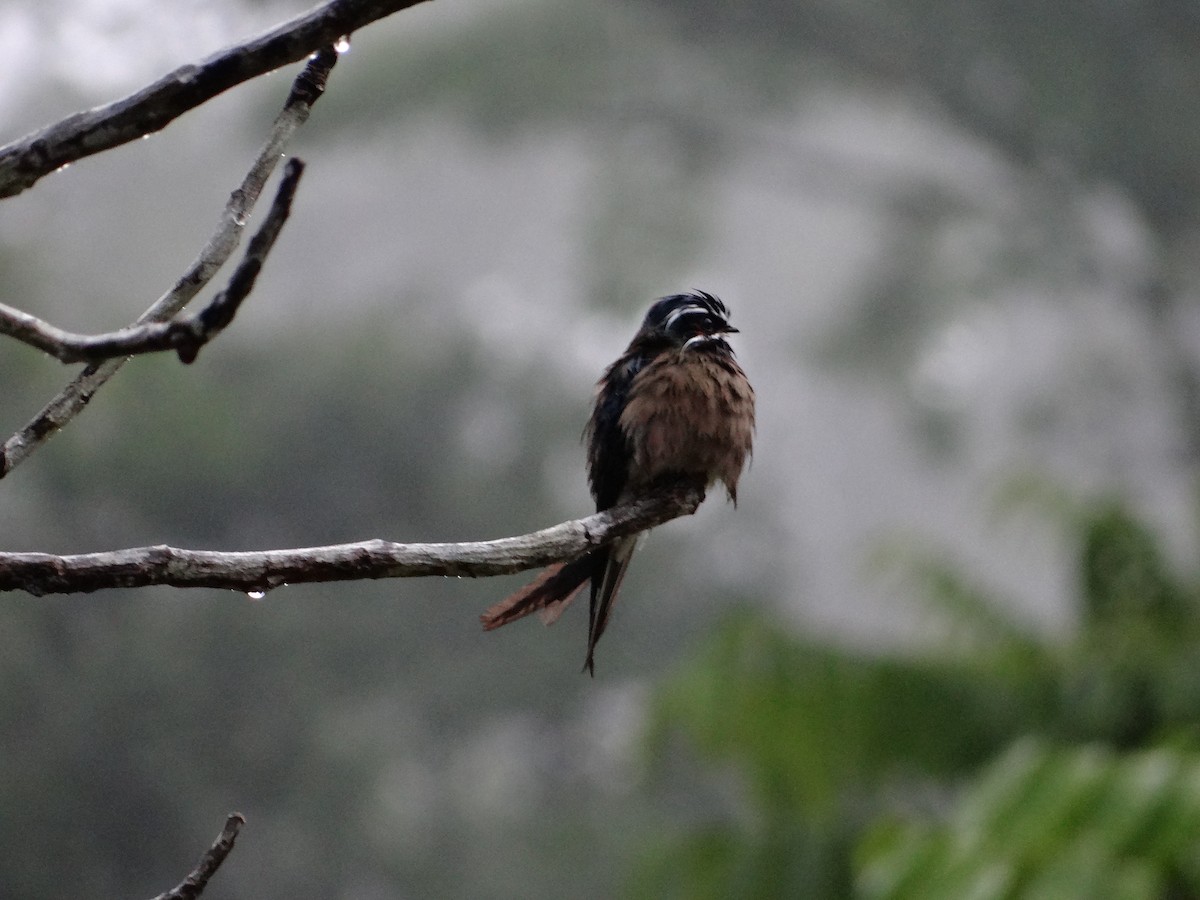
949 643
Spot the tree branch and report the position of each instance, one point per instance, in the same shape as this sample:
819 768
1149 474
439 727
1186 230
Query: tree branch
150 109
307 88
197 880
183 335
255 572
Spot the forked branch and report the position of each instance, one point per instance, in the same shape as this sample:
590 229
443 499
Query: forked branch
307 88
186 334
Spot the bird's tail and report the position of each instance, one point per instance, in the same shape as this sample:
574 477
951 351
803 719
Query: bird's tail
611 564
549 593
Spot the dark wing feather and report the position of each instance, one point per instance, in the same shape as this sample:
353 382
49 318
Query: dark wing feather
608 450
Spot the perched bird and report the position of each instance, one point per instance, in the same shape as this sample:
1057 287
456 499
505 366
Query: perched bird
675 407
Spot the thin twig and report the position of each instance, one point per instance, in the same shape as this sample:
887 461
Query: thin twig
28 159
255 572
70 401
193 886
184 335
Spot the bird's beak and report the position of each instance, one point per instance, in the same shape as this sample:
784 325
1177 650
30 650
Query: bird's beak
729 329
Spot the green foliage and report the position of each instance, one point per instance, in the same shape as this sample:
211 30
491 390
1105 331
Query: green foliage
791 858
1123 575
825 740
1051 822
806 723
820 736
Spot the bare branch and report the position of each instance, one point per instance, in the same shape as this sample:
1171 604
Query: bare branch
185 335
150 109
70 401
193 886
254 572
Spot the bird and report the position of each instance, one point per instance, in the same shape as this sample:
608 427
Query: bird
674 408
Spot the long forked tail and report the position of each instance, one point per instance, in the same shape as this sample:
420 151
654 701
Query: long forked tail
549 593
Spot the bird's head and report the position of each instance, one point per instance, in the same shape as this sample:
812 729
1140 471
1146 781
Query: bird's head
687 320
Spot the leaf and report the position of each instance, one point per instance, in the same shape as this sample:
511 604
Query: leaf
1063 823
1123 573
806 723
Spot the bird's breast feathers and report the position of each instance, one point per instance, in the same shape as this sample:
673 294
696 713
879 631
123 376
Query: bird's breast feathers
690 412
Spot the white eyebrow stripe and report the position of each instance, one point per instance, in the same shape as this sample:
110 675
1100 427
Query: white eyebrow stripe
682 311
700 339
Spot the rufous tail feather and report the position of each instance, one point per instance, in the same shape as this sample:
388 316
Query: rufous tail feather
550 592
